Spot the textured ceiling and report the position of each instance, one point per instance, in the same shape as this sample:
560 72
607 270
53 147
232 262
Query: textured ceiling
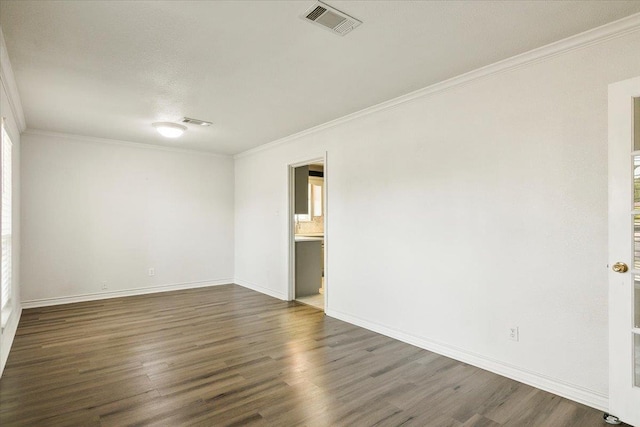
110 68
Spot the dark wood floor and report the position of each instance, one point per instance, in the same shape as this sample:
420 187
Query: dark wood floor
229 356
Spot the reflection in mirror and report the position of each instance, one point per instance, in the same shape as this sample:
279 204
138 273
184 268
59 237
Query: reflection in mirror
311 222
317 200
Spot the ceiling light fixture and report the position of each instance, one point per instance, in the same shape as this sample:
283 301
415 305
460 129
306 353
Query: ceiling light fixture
169 130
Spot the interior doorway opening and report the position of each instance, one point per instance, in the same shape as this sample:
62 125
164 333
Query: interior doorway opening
307 232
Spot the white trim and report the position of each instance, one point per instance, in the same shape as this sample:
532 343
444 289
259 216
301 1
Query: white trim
8 334
5 315
261 289
587 38
9 84
306 161
84 138
45 302
291 231
326 233
562 388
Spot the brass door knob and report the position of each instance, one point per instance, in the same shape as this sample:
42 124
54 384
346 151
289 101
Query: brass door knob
620 267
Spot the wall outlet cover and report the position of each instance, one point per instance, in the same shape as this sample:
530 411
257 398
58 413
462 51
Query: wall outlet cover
514 333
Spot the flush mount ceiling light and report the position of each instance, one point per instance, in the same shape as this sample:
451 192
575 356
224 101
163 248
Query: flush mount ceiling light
169 130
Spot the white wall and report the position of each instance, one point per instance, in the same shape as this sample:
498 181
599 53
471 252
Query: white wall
459 214
11 110
96 212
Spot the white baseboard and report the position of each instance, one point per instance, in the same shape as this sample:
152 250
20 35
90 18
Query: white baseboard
570 391
45 302
561 388
260 289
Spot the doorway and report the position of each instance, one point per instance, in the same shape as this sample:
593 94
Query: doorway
624 251
308 232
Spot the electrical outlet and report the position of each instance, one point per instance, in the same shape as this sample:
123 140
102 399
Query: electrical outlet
103 286
514 333
152 272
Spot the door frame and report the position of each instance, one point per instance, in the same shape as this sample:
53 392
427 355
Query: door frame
291 296
622 392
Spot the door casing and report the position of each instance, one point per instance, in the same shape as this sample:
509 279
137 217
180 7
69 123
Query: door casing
291 233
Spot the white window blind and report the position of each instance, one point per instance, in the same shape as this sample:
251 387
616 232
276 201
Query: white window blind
6 221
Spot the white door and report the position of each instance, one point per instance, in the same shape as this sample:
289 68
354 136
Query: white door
624 250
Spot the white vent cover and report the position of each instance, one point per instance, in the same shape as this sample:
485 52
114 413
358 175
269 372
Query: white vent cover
195 121
330 18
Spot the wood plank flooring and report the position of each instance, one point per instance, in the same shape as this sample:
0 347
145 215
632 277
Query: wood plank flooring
230 356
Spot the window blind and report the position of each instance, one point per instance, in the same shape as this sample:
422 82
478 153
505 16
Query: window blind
5 225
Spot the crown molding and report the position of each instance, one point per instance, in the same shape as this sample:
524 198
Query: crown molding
615 29
83 138
9 85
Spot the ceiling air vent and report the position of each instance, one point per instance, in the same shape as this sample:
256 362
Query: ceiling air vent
330 18
196 122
